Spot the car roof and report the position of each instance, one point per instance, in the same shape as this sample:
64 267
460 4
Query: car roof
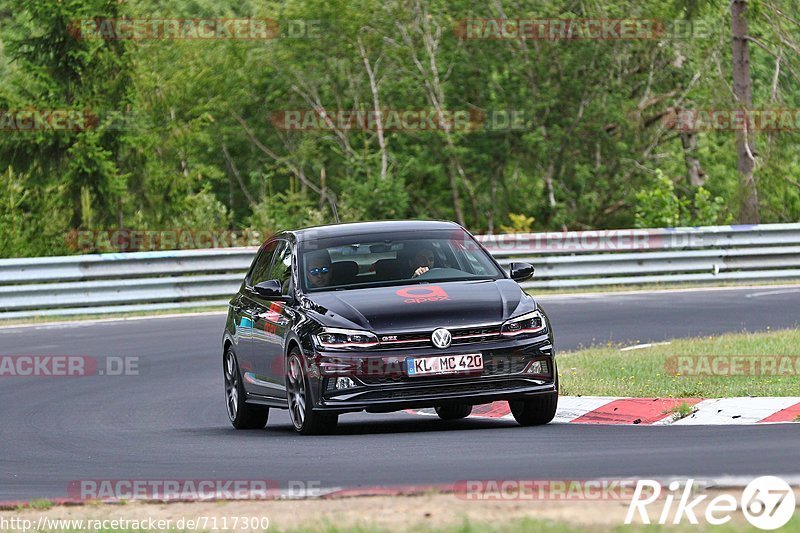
366 228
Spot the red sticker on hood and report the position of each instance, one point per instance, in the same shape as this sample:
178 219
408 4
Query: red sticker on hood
417 295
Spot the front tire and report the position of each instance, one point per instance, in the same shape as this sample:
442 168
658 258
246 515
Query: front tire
241 414
304 419
454 411
536 411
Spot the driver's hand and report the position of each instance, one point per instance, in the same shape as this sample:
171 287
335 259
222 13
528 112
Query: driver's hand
420 271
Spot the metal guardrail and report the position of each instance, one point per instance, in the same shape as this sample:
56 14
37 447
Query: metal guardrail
142 281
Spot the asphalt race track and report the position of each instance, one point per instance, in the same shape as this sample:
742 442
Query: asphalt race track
169 422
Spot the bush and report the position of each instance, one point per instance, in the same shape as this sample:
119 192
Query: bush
202 211
286 210
33 221
660 206
519 224
373 198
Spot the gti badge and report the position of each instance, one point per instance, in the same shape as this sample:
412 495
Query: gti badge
441 338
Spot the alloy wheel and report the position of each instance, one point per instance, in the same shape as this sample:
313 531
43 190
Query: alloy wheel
296 385
231 385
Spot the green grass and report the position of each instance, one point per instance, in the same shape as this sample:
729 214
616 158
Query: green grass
607 371
41 505
526 525
514 526
680 411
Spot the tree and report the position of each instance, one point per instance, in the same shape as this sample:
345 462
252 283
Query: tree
743 91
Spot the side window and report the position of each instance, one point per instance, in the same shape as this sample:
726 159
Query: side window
261 268
282 266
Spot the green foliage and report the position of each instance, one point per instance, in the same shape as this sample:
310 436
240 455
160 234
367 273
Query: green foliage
285 210
32 220
372 198
202 211
570 133
707 211
659 205
519 224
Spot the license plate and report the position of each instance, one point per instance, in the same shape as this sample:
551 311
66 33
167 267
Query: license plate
443 364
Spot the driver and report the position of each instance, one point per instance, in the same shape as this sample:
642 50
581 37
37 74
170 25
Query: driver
318 269
422 261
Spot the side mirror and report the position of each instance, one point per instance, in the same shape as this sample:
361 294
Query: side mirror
521 271
269 289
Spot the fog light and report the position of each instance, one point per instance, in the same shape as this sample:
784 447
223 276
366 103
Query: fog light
536 367
344 383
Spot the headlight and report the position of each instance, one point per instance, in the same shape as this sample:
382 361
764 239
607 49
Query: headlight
532 322
337 339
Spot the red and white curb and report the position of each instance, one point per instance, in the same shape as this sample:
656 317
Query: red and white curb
655 411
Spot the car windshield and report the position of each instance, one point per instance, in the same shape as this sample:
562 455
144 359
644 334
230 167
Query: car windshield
361 261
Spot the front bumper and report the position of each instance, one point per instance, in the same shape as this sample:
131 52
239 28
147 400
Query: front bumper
381 382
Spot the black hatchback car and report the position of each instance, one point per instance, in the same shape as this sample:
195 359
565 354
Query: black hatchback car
384 316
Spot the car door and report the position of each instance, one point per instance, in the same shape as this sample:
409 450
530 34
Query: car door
271 320
248 308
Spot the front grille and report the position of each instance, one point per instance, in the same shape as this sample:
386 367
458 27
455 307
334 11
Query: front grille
408 340
467 336
422 339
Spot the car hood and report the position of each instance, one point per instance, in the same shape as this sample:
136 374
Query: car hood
422 306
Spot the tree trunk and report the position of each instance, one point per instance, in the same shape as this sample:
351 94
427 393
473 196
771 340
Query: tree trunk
743 91
697 178
376 105
548 181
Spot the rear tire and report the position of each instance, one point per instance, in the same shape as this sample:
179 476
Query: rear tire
304 419
241 414
536 411
453 411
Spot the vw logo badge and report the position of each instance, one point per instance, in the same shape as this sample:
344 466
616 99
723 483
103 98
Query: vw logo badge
441 338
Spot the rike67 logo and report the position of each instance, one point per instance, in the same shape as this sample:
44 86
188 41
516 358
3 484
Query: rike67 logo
767 502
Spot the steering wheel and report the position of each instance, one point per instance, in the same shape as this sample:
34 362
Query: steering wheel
431 269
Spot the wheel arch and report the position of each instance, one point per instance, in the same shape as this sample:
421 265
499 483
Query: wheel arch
293 343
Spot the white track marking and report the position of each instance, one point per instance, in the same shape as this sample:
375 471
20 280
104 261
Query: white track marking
722 411
642 346
770 293
572 407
